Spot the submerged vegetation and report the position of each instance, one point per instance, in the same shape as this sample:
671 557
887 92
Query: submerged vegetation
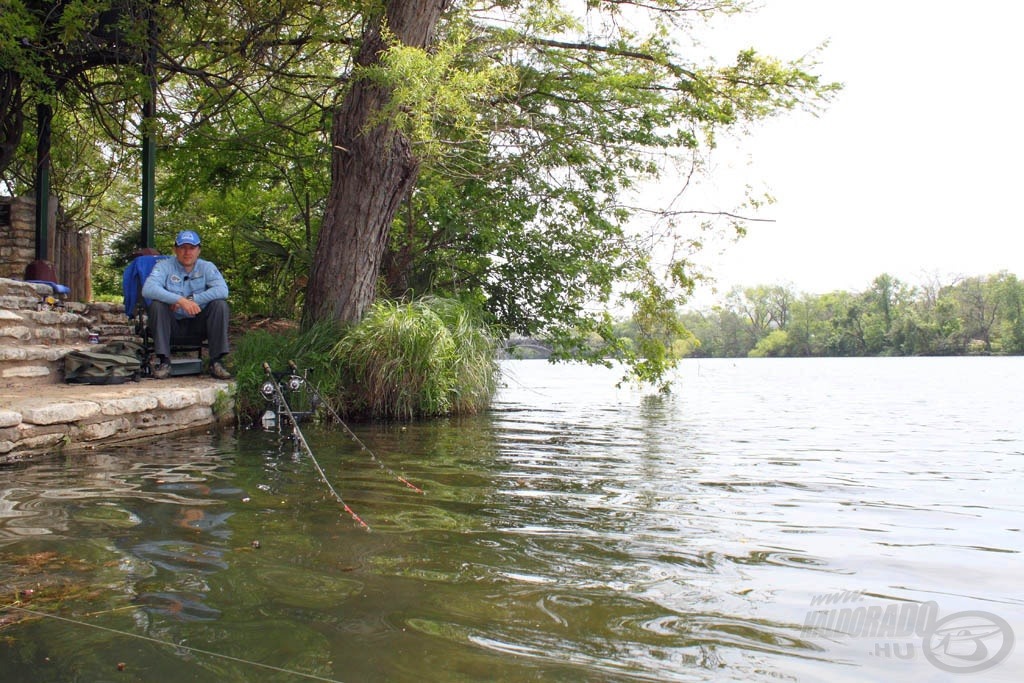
42 581
425 358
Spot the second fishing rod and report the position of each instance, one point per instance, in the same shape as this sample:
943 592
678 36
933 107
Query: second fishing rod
292 382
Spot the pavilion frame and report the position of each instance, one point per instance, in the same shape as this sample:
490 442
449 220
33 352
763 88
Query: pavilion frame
41 268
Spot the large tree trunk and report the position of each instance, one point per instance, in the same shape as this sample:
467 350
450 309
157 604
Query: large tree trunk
372 170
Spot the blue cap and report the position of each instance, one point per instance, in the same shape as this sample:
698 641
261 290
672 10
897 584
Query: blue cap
186 237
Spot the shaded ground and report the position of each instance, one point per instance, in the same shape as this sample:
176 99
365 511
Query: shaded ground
240 325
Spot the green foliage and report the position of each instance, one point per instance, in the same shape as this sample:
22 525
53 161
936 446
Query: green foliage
527 211
976 315
533 123
426 358
238 148
434 89
82 58
776 343
658 331
308 349
222 403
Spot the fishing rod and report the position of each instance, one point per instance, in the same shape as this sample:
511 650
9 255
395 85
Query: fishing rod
320 400
283 403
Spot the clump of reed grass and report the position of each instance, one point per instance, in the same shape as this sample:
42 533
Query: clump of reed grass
424 358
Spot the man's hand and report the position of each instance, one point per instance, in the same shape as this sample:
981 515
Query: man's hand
187 306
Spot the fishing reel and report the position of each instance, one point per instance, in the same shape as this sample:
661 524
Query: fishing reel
292 397
269 390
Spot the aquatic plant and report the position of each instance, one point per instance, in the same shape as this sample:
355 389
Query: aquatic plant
424 358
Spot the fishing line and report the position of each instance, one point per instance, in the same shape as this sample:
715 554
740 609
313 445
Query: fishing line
188 648
511 376
334 414
302 440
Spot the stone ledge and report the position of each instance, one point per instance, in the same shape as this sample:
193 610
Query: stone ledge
23 373
64 417
33 364
38 352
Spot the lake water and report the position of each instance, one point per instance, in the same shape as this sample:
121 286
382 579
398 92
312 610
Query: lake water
792 519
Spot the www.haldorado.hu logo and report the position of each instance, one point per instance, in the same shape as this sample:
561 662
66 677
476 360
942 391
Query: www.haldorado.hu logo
962 642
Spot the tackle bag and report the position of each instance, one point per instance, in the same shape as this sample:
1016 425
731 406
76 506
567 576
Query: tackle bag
111 363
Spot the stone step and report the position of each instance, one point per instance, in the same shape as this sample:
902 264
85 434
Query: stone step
20 303
17 294
47 327
66 417
38 329
29 364
114 331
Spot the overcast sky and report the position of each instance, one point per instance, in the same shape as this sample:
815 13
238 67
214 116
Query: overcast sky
914 170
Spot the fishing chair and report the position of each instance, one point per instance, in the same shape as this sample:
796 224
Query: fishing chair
136 308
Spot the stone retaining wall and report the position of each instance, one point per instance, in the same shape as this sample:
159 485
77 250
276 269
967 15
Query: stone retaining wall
17 236
68 250
66 417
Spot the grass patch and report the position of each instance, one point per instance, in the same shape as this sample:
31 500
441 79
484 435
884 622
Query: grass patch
404 360
424 358
308 349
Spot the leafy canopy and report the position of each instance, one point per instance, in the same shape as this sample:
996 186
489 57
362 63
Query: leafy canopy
534 120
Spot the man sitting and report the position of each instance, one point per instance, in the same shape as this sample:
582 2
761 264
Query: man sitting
188 299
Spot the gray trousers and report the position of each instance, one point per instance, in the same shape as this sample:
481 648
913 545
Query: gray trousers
211 324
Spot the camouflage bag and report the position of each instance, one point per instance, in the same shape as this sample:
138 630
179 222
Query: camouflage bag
112 363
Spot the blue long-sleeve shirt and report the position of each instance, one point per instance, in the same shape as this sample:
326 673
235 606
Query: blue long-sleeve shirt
168 282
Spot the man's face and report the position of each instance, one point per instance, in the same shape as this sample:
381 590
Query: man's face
187 255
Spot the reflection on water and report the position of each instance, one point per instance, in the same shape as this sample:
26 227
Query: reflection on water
772 520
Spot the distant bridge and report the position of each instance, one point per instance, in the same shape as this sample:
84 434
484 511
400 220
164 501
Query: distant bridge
527 343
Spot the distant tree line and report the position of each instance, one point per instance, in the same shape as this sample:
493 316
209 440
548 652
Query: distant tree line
971 315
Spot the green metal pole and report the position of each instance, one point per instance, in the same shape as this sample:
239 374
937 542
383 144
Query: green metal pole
44 116
147 238
148 176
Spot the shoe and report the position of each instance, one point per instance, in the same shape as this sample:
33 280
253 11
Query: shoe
218 370
162 370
